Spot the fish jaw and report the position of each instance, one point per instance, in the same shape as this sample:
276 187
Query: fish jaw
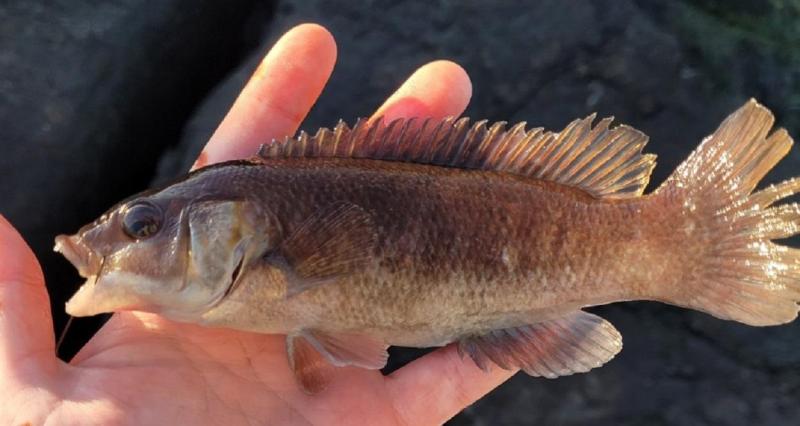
81 304
109 293
86 261
86 301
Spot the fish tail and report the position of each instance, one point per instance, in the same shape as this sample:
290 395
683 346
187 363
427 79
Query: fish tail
737 272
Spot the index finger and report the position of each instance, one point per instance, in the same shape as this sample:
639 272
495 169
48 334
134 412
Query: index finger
278 96
437 89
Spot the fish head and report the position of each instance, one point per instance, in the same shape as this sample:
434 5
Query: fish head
170 254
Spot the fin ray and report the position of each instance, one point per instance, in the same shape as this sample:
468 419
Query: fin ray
313 356
312 372
575 343
606 162
334 241
343 349
744 276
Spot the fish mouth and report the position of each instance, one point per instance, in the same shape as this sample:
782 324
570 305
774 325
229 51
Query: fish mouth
84 259
83 302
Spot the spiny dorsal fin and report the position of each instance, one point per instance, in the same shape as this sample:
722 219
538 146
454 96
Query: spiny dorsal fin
607 163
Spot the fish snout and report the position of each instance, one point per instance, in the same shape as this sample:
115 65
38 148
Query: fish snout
85 260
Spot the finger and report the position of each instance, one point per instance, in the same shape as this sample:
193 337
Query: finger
439 385
278 96
437 89
25 323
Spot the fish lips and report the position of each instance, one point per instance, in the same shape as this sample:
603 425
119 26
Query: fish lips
86 261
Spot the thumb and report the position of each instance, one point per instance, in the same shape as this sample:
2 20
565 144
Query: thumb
26 327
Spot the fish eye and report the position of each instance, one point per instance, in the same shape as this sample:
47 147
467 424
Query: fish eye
141 220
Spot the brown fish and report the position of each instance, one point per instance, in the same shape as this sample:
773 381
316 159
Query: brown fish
425 232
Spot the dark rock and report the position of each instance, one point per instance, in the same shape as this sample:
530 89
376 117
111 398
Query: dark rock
90 94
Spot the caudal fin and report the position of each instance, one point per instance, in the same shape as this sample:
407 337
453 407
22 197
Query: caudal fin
741 274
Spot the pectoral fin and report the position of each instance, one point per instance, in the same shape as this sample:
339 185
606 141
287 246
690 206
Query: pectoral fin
313 355
575 343
333 242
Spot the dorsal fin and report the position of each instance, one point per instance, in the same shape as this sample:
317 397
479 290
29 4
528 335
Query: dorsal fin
607 163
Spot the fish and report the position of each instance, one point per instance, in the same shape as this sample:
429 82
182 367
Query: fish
424 232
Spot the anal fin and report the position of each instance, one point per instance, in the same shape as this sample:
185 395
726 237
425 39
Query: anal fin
575 343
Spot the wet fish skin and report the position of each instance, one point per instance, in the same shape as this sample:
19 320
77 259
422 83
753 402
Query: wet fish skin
422 233
452 257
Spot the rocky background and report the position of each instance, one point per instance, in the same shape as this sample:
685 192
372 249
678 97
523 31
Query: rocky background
100 99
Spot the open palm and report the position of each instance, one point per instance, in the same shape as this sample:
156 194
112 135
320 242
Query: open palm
143 369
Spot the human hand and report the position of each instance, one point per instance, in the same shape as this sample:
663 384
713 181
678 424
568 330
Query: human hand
143 369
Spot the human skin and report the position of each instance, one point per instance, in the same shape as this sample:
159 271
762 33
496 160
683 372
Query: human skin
143 369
